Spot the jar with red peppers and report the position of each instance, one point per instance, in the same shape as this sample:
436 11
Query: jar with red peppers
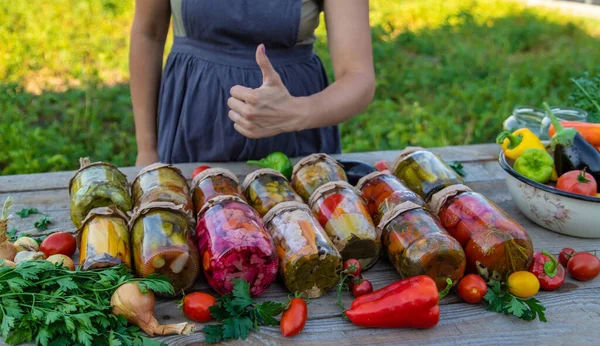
233 244
214 182
417 244
342 211
494 243
383 192
308 260
161 235
424 172
161 182
313 171
264 188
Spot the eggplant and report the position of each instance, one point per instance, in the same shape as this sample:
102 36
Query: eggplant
572 151
356 170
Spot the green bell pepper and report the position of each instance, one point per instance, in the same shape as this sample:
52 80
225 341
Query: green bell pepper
535 164
277 161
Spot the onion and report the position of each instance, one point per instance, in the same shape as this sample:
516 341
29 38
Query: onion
7 263
26 244
66 261
29 256
138 309
7 249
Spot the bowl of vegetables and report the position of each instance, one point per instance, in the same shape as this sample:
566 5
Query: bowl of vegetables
555 187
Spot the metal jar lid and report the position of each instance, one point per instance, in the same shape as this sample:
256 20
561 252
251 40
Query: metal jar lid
257 173
439 198
397 210
283 207
331 186
312 159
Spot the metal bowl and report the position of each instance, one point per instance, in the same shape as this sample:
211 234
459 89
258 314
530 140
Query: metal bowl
556 210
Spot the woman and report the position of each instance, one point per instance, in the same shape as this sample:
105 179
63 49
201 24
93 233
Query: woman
242 81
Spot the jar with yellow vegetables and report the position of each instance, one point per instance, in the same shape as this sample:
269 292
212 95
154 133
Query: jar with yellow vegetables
313 171
161 182
265 188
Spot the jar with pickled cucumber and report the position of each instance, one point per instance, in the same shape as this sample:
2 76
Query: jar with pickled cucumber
214 182
494 243
95 185
342 212
162 243
104 239
233 244
161 182
314 171
416 244
265 188
308 260
424 172
383 192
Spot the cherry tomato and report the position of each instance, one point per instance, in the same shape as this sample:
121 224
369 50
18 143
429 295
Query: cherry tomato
462 233
330 203
577 182
353 266
294 318
584 266
565 255
361 288
523 284
196 306
198 170
382 165
472 288
59 243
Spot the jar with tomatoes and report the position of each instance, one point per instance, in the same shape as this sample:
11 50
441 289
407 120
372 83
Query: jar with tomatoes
383 192
342 212
494 243
313 171
104 239
264 188
95 185
424 172
214 182
162 243
308 260
233 243
417 244
161 182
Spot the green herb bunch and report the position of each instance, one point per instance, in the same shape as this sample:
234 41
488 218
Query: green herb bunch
500 300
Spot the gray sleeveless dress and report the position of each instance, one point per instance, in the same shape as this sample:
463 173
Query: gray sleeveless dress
213 50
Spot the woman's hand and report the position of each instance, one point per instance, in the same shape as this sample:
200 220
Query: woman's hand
145 158
268 110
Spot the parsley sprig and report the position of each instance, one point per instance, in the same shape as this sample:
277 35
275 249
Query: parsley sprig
500 300
50 305
458 168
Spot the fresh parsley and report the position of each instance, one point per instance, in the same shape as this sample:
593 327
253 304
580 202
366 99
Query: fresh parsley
25 212
586 95
12 234
238 314
42 224
458 168
500 300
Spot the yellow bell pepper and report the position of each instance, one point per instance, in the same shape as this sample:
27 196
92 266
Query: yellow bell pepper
514 144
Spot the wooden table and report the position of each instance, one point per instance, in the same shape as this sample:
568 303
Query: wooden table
573 311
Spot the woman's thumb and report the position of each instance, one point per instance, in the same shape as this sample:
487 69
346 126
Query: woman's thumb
270 76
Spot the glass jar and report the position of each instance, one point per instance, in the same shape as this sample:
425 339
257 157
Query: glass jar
536 119
314 171
264 188
424 172
97 185
383 192
416 244
161 182
342 212
495 244
162 243
104 239
233 243
214 182
308 261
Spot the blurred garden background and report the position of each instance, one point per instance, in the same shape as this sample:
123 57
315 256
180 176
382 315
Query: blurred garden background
448 73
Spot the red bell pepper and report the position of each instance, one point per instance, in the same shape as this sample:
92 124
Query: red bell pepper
549 272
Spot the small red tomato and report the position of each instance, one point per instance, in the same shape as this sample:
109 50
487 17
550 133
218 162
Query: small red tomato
361 288
59 243
565 255
294 318
584 266
352 266
578 182
472 288
382 165
196 306
198 170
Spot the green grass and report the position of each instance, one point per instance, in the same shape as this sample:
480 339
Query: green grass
448 72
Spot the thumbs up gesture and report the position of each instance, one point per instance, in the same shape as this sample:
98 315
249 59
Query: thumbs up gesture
265 111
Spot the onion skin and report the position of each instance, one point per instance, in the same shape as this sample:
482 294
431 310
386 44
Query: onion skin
7 249
26 244
29 256
7 263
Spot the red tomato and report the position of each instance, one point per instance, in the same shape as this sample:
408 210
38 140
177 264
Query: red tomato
472 288
450 216
577 182
330 203
196 306
462 233
382 165
565 255
198 170
584 266
294 318
362 288
59 243
356 268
